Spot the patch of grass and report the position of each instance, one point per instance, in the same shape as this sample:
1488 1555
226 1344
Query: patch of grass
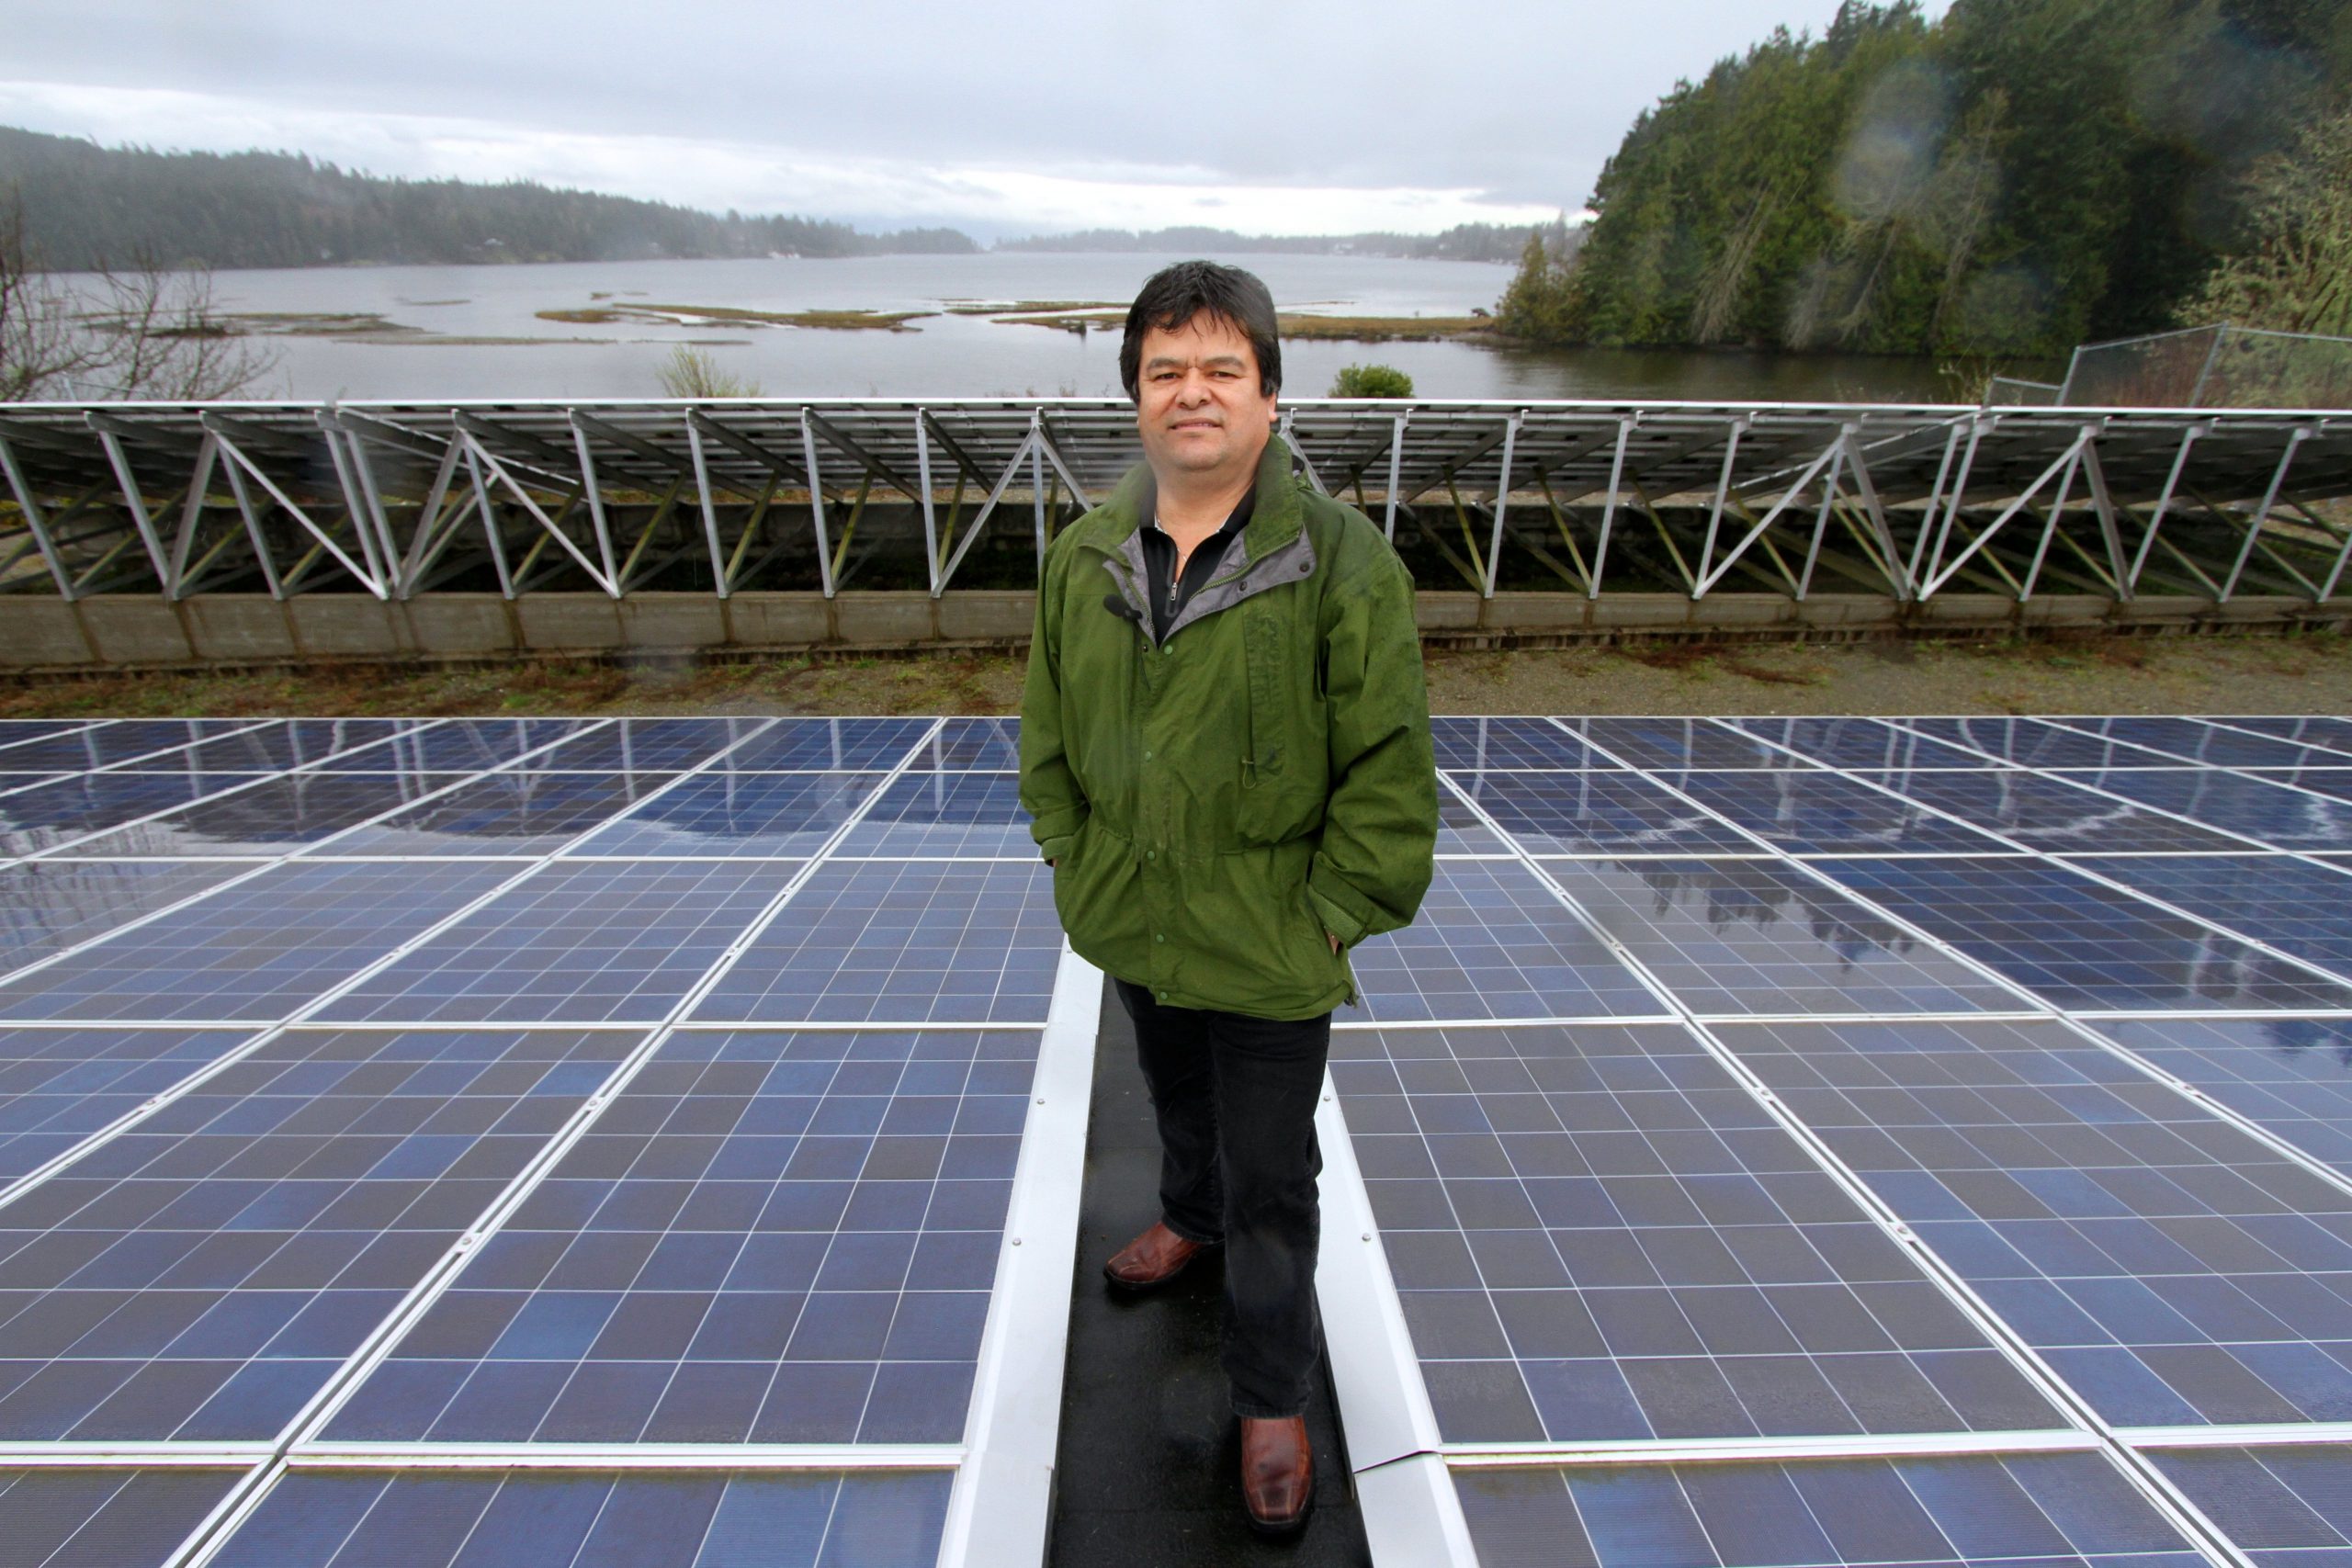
1030 307
591 316
692 315
1333 329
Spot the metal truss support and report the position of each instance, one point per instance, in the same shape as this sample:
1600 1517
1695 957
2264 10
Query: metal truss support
241 467
595 494
141 518
2057 509
1609 506
478 458
817 505
1502 501
1716 515
1396 472
2295 438
2163 502
1940 573
34 521
2110 534
1712 571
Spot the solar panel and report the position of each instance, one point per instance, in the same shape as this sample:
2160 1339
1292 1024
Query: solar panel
521 811
1597 1234
2172 1268
594 1519
2047 812
737 816
1596 812
2296 906
1861 743
1734 937
275 817
104 1518
901 941
1820 813
2052 1510
2303 817
1754 1206
59 1085
582 941
201 1274
768 1238
1491 942
255 950
34 821
2080 945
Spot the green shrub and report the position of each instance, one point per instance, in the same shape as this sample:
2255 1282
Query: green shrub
1371 381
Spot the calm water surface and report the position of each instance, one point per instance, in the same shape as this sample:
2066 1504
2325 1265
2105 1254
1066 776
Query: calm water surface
942 356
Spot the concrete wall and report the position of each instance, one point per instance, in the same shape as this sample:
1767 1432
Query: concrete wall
143 632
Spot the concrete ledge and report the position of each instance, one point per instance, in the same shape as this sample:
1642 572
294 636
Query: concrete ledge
680 622
979 616
141 631
778 620
463 625
569 622
134 628
228 628
347 626
41 633
884 619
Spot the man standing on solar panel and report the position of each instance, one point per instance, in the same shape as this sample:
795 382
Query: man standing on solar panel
1225 745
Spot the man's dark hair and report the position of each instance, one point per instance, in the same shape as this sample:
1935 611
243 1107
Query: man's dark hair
1174 295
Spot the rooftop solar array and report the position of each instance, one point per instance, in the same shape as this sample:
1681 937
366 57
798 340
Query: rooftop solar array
528 1142
1779 1143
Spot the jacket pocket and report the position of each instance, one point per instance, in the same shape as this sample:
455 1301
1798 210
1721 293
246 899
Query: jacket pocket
1280 795
1252 940
1098 894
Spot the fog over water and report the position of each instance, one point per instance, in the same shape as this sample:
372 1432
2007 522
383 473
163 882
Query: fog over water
941 355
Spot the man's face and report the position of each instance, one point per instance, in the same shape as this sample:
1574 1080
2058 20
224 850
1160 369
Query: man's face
1199 403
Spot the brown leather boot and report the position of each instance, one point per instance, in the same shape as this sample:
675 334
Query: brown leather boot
1277 1474
1152 1258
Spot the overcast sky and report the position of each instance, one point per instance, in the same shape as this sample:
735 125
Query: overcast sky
1266 115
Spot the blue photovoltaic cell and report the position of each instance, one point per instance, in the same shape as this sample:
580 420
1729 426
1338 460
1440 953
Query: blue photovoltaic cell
768 1238
518 812
1676 743
11 782
2291 1076
104 1518
2206 745
256 951
973 743
2082 945
108 744
1492 942
49 907
59 1085
2046 813
277 817
582 941
1598 812
870 1518
1596 1234
737 815
2171 1267
16 731
1859 743
1472 745
2295 905
2061 1510
2282 817
830 745
2334 782
290 743
901 941
459 745
1820 813
952 815
33 821
202 1274
1460 829
648 745
2317 730
2288 1506
2030 743
1731 938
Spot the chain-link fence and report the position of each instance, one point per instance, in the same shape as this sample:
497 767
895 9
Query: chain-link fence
2209 368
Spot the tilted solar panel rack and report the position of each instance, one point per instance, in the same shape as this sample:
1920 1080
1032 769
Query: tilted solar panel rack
1778 1141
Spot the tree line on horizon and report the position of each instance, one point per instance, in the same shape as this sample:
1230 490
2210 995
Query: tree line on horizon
2009 180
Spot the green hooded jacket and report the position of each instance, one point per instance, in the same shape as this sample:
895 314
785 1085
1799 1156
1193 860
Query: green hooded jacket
1219 801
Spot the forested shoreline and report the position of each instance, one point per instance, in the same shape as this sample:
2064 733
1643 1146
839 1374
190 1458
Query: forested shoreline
2009 180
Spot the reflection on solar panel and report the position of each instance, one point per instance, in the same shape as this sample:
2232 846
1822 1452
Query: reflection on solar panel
1780 1144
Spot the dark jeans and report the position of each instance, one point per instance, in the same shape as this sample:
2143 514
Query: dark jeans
1236 1097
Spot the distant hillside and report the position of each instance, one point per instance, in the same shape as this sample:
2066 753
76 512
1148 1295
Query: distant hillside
86 206
1464 241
